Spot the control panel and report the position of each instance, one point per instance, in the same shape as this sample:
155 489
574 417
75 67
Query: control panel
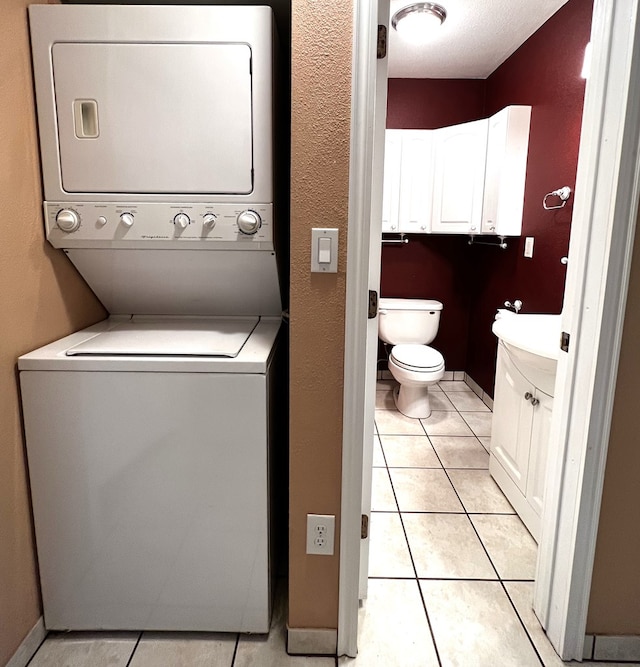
159 225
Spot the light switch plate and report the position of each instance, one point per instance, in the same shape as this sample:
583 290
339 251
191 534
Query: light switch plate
331 266
528 246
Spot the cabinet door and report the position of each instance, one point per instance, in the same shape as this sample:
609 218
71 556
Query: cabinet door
416 181
540 429
459 167
391 184
507 149
512 418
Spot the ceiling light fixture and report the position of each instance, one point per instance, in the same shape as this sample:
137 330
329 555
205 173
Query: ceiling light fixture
416 22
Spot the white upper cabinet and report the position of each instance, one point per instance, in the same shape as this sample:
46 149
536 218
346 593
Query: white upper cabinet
391 185
506 166
458 177
416 181
463 179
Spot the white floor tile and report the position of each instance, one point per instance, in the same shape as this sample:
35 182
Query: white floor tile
85 649
384 400
424 490
509 544
388 550
479 422
446 423
439 401
486 442
467 401
454 385
378 457
409 451
521 594
445 546
184 649
478 492
474 624
460 451
393 629
391 422
270 650
382 499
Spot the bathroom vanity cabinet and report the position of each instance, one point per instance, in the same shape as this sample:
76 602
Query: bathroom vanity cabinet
520 440
462 179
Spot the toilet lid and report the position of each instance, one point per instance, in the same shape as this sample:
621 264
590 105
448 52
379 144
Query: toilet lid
417 357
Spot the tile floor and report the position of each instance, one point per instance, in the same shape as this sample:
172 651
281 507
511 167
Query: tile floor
451 566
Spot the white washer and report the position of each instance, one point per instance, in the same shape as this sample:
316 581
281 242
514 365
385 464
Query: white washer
149 474
148 435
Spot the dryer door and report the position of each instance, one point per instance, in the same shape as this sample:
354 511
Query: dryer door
154 117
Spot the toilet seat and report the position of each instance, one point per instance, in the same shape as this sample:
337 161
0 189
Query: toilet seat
417 358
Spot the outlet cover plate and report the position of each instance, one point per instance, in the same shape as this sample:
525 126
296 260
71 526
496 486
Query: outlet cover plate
528 246
321 530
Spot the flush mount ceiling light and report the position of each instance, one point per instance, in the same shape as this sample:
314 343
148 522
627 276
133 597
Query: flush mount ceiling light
416 22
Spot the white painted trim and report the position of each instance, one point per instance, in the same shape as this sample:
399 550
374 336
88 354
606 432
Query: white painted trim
607 189
30 644
362 142
312 641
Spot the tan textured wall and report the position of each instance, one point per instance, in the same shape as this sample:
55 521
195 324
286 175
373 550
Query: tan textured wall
41 299
614 606
320 119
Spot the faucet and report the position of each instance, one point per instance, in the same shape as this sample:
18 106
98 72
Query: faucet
516 306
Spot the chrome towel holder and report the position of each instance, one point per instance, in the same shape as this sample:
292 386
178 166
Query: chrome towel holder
563 193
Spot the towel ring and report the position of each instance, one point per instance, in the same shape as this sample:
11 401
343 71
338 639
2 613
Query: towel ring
564 194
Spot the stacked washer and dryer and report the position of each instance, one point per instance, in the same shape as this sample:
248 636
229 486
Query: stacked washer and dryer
149 434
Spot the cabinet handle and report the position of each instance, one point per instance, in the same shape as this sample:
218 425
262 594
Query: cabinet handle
528 396
534 401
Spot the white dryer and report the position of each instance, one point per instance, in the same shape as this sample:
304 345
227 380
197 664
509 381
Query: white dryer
149 435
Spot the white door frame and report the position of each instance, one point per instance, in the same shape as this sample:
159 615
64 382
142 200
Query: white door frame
606 205
355 411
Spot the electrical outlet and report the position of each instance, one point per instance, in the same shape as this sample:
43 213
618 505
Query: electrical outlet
320 534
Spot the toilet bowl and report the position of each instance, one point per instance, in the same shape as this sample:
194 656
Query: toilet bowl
408 324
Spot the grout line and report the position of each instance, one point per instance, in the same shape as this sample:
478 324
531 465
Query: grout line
413 564
524 627
235 648
135 648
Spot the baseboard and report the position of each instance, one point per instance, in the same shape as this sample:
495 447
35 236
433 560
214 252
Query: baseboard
615 648
479 391
30 644
312 641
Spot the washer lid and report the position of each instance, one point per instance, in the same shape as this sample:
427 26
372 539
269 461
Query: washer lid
180 337
419 357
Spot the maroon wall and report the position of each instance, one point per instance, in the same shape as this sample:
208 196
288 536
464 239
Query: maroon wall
545 72
472 282
434 267
427 104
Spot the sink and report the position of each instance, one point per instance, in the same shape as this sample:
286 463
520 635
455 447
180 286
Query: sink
533 343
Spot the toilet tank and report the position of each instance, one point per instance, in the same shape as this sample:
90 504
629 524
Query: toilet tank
402 321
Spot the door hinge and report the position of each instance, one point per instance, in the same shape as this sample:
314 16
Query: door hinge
382 41
364 527
564 341
373 304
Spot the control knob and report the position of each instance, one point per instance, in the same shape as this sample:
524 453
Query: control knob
68 220
249 222
127 219
181 220
209 220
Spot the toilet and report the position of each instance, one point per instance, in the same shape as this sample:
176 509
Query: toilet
409 325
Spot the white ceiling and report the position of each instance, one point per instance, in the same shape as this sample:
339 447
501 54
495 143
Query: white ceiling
476 37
